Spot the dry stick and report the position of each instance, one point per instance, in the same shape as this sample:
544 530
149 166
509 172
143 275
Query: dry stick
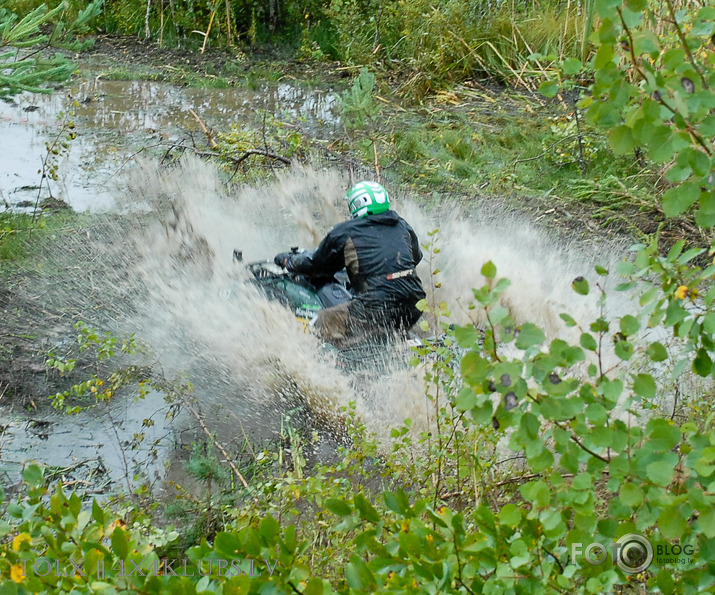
205 130
246 155
147 31
546 150
688 126
566 26
161 25
508 66
684 43
229 30
377 162
208 30
216 443
173 18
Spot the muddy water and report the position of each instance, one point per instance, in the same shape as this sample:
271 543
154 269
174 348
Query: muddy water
117 124
116 120
94 450
250 364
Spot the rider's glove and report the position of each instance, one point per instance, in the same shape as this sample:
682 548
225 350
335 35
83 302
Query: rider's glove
282 259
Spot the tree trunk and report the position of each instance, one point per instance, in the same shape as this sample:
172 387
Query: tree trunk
272 15
147 31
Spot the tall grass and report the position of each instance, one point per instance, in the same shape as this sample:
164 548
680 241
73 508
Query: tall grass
437 43
433 43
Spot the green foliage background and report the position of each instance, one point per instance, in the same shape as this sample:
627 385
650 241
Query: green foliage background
434 43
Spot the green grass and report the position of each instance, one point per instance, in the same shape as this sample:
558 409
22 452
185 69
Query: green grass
14 229
510 147
21 238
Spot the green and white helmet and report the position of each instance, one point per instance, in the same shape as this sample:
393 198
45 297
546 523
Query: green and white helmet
367 198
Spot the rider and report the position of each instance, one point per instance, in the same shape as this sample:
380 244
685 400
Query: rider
380 252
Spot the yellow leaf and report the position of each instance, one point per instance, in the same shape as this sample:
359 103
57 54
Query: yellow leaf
17 542
16 573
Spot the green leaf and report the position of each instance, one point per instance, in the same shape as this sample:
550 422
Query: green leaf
466 336
97 512
621 140
227 544
588 342
679 199
338 507
269 528
489 270
629 325
624 350
510 515
314 587
702 364
33 476
466 399
549 88
644 385
497 314
645 42
119 543
474 367
540 460
665 581
612 389
571 66
410 543
663 435
698 161
625 268
529 335
631 495
673 58
568 320
660 472
707 126
671 523
397 502
358 575
706 522
366 510
580 286
536 492
656 352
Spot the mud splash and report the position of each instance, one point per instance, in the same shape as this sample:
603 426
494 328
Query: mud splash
165 247
196 288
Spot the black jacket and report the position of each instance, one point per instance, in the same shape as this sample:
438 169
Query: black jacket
380 253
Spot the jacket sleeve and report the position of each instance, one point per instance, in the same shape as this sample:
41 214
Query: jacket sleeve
327 259
416 250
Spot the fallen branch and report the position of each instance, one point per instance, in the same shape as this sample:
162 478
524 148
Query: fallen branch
205 130
246 155
216 443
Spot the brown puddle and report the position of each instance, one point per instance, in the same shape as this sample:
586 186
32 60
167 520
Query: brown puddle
116 120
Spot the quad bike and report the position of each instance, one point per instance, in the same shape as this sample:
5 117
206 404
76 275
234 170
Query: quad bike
306 297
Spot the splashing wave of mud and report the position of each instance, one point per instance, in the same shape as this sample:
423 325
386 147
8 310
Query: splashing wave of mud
202 315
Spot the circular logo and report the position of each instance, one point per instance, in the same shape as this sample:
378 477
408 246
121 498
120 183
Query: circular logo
635 553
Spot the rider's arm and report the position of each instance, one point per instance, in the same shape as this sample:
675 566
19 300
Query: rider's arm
326 259
416 250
